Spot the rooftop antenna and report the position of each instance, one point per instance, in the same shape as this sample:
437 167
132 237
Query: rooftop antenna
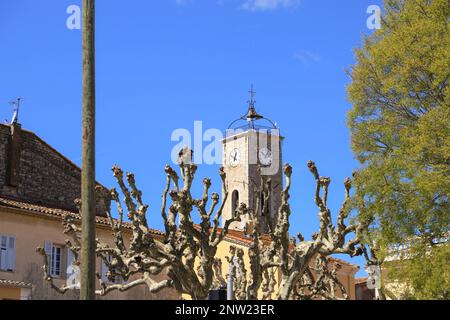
16 105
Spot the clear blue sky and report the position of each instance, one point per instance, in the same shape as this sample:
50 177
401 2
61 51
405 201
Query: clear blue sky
161 65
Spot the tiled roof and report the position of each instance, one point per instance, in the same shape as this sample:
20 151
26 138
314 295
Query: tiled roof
344 262
361 280
241 238
14 283
56 212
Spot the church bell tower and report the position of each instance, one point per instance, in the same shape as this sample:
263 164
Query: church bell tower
251 149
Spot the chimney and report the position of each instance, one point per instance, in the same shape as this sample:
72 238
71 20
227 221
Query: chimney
13 155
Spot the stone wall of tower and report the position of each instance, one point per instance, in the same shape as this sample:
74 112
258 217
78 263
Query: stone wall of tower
246 178
236 177
273 142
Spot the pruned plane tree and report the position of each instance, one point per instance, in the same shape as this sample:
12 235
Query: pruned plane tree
281 268
188 251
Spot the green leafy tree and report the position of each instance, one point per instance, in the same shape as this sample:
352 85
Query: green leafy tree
427 276
400 131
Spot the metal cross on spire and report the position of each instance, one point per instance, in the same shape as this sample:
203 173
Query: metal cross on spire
16 105
252 114
252 96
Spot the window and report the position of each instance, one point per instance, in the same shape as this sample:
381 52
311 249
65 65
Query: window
55 261
234 202
54 253
114 279
7 253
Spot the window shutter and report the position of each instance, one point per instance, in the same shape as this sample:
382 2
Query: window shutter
11 253
103 270
3 253
48 248
3 259
3 241
70 259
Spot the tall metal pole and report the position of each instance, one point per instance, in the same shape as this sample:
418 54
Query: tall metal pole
88 203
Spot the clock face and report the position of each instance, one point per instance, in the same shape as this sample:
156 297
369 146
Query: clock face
235 157
265 156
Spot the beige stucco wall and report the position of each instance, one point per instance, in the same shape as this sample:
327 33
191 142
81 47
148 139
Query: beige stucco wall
31 231
9 293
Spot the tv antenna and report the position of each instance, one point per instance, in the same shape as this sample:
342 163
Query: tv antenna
16 106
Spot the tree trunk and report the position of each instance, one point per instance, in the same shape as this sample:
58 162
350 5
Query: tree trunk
88 203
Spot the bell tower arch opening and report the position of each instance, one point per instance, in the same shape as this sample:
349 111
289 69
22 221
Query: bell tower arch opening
235 202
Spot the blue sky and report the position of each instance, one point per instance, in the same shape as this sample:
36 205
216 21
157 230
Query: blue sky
161 65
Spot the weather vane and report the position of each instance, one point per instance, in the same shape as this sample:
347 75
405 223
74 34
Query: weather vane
252 96
16 105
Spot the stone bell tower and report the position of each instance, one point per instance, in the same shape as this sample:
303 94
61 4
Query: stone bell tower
251 149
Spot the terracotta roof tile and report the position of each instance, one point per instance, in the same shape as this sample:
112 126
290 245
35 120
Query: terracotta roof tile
56 212
14 283
344 262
